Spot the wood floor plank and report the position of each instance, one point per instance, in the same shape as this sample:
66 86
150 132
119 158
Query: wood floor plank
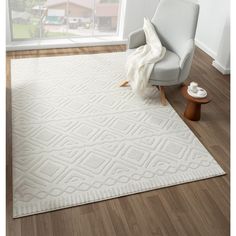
159 212
28 226
44 225
118 219
103 220
198 208
134 218
62 223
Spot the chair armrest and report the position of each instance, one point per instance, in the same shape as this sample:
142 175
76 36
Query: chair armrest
186 53
136 39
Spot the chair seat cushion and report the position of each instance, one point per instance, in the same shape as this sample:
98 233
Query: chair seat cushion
165 71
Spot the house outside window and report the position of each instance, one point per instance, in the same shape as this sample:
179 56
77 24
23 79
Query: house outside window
45 19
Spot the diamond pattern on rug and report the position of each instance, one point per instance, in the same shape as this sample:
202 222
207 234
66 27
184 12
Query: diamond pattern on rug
77 137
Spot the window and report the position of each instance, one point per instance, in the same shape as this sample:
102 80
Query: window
45 19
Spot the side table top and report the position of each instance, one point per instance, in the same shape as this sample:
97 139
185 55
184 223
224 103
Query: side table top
192 99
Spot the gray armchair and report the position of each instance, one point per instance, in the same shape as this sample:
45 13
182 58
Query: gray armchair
175 22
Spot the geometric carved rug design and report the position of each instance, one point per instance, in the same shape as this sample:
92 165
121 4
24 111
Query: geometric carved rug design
79 138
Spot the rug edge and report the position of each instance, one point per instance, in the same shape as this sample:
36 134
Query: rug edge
217 171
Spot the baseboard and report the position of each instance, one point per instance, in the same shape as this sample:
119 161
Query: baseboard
219 67
206 49
211 53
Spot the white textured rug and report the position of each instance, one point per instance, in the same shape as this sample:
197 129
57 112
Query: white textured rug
79 138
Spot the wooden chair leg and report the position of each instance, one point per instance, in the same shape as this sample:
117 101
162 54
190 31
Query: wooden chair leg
162 95
124 83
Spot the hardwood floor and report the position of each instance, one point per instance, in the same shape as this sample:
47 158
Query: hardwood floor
198 208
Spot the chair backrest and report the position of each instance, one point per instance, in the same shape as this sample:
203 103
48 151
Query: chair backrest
175 22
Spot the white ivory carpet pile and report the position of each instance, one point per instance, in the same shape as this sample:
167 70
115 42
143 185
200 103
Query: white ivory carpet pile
79 138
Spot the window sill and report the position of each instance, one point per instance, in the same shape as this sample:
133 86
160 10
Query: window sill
64 43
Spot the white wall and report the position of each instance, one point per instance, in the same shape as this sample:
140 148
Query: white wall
212 34
222 59
212 18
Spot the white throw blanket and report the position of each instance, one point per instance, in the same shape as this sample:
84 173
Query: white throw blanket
140 63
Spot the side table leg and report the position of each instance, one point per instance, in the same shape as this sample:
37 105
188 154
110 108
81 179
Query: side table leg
193 111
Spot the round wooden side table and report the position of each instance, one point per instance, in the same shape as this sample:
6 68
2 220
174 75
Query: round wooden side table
193 108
